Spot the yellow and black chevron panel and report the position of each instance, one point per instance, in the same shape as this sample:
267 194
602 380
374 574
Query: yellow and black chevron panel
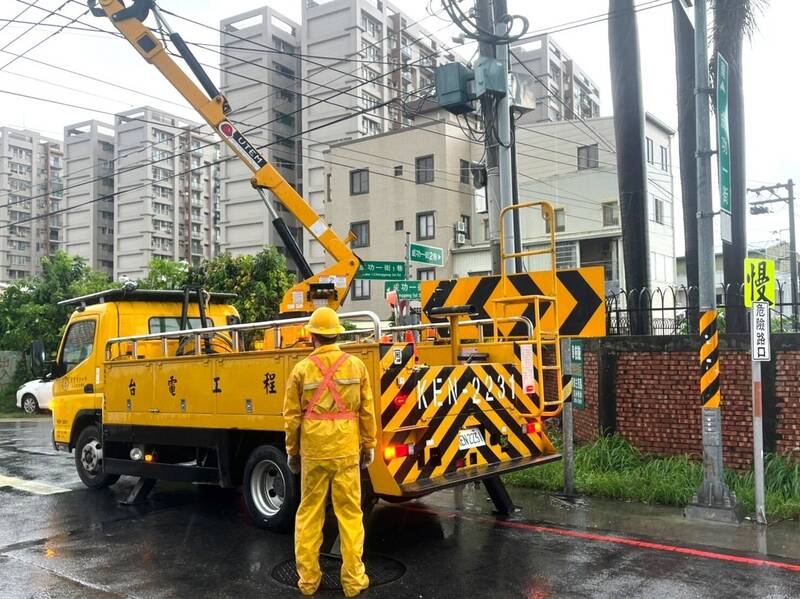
429 411
579 294
709 360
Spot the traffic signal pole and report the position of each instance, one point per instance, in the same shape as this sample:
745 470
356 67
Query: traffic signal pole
713 500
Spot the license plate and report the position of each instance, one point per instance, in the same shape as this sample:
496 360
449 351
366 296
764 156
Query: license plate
469 438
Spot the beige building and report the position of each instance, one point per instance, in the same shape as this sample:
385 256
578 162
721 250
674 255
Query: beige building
166 181
412 181
31 188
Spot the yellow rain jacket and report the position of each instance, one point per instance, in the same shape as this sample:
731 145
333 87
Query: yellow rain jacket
329 417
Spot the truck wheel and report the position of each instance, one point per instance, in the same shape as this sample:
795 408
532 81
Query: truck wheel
271 491
89 460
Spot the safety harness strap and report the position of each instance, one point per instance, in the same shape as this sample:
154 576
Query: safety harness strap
328 383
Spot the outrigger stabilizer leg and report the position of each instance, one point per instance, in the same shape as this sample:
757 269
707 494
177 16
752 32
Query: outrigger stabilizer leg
140 492
499 496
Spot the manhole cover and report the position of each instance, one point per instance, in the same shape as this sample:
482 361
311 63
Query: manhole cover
380 569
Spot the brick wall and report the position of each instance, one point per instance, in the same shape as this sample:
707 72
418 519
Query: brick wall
651 397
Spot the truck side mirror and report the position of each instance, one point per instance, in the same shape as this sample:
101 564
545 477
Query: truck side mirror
37 357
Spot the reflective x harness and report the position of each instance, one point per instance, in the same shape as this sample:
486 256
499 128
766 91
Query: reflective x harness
328 383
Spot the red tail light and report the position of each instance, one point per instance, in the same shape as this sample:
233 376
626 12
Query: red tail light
391 452
532 427
400 399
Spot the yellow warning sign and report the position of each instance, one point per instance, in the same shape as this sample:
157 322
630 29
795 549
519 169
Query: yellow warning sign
759 281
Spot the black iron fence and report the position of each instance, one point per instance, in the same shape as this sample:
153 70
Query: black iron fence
674 310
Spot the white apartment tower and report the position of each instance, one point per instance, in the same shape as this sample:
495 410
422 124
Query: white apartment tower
31 188
89 193
259 78
371 39
167 192
568 94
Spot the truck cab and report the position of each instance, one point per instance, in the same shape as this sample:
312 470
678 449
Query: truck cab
79 372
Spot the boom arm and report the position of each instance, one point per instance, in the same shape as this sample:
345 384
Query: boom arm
329 287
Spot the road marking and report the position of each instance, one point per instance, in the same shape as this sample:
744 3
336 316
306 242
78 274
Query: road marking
726 557
31 486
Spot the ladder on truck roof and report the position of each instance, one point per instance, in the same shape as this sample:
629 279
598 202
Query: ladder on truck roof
542 338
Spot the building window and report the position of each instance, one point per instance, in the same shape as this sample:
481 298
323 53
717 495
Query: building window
361 231
426 274
650 152
359 182
285 71
587 157
426 225
284 141
284 119
467 226
463 171
566 255
398 225
560 219
398 170
424 166
661 211
370 127
360 289
610 214
664 159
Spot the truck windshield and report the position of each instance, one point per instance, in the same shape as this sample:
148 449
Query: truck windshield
78 344
167 324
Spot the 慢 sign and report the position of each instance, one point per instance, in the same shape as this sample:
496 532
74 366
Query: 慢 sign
759 281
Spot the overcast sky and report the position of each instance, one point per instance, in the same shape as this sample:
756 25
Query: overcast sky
771 82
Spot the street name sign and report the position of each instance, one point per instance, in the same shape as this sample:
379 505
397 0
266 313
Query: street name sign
723 149
381 270
426 254
406 290
759 281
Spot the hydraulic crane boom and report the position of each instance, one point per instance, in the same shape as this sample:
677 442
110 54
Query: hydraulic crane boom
328 287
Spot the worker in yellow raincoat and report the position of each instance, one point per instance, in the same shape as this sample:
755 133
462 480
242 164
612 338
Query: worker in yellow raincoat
330 431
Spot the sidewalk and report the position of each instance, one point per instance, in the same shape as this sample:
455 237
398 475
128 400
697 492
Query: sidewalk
640 521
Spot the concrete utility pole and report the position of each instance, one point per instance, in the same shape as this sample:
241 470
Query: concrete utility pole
760 206
496 110
713 500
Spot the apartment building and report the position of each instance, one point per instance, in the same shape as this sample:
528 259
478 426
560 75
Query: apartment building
574 167
563 90
89 193
260 78
31 188
372 40
406 181
166 182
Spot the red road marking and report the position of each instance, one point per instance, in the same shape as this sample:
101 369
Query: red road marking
589 536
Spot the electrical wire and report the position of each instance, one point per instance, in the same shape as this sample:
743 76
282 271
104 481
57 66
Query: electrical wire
18 15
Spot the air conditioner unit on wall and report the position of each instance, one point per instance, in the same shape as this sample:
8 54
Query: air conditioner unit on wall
461 226
461 238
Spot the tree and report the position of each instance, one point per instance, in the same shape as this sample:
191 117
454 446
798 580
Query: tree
29 309
258 281
733 20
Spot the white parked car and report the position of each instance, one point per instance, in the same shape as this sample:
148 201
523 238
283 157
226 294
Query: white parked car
35 395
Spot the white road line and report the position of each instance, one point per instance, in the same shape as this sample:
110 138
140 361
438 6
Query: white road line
31 486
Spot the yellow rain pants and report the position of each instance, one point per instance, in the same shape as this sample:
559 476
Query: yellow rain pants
329 418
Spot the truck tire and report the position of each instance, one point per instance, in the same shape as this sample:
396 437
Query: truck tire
89 460
271 491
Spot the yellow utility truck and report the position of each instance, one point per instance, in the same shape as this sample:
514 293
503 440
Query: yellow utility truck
170 385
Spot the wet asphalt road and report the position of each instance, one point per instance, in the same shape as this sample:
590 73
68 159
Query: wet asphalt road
197 542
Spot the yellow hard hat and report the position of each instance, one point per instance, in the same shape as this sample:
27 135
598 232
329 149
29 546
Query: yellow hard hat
324 321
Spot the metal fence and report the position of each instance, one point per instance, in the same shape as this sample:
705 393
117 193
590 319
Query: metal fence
674 310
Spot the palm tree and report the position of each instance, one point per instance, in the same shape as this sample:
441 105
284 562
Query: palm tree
733 20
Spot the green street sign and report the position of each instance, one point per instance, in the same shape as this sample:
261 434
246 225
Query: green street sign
380 270
576 356
427 254
407 290
723 148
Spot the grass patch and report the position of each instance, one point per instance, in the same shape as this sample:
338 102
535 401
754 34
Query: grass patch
612 468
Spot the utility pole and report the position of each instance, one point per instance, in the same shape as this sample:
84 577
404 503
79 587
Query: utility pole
760 207
713 500
502 118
